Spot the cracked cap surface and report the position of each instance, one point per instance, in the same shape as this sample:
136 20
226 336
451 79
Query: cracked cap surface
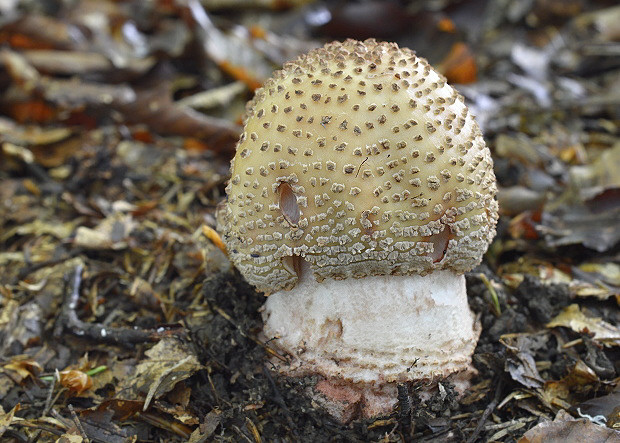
361 159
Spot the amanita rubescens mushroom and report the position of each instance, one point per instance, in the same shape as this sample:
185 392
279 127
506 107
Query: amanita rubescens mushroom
361 191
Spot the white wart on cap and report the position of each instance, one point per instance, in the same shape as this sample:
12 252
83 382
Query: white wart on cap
359 171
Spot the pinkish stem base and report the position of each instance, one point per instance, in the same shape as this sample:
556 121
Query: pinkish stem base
346 402
363 336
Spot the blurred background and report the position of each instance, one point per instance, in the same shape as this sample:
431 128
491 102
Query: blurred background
118 120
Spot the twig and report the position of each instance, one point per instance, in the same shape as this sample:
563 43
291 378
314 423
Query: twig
280 400
48 400
69 320
78 423
215 396
39 426
489 409
62 420
242 434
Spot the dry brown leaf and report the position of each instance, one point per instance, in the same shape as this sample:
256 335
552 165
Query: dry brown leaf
116 409
24 366
169 362
560 394
75 380
101 424
459 66
6 418
609 272
588 211
605 406
207 428
572 317
520 361
613 419
232 54
565 428
24 327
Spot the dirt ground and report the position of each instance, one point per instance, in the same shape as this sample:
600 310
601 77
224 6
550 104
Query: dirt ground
121 317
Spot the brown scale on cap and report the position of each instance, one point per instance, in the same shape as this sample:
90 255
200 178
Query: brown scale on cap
359 158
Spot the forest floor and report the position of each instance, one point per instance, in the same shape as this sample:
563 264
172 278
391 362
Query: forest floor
120 317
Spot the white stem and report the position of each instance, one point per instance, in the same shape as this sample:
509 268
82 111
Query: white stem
374 330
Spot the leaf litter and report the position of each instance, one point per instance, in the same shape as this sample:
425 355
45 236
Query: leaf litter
121 318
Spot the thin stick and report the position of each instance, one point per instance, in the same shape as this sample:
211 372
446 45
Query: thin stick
69 320
488 411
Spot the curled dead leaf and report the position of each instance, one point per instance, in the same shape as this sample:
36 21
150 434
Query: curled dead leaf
75 380
24 366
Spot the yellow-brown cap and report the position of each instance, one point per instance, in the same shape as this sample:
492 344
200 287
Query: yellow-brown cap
359 158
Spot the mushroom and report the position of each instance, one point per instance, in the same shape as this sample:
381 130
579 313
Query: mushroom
360 193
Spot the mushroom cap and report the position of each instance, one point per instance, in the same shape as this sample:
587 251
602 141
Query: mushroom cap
359 158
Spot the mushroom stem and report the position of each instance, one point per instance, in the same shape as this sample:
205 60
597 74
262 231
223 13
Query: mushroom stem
374 331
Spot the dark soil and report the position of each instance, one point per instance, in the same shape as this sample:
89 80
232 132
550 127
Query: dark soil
122 320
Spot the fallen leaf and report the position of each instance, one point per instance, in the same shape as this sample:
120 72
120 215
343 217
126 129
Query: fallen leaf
572 317
520 361
168 363
613 419
206 428
588 211
560 393
604 405
24 366
459 66
6 418
233 55
75 380
608 272
98 423
40 227
565 428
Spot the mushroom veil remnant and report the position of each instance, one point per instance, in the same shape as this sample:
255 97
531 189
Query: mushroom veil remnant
360 192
